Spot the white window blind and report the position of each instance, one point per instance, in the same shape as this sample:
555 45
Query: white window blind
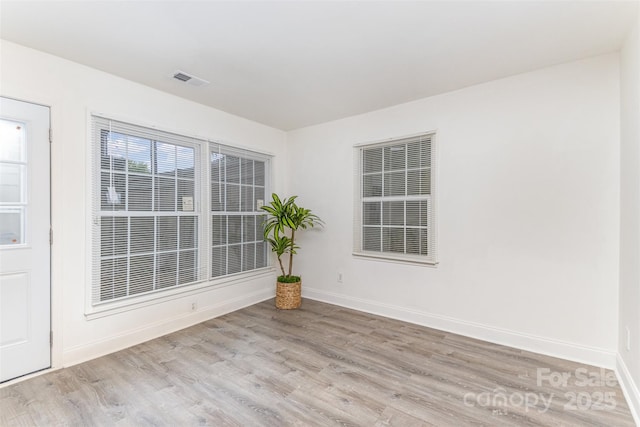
146 221
395 215
152 226
238 188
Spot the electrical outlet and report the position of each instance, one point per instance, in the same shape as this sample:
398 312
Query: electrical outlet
194 306
339 277
628 339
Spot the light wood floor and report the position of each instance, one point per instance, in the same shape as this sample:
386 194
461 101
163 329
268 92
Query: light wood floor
321 365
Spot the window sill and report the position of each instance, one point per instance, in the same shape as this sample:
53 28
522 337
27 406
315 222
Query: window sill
373 256
112 308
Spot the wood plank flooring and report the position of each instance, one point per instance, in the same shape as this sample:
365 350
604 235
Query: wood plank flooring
321 365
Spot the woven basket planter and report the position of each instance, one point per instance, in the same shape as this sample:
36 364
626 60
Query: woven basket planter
288 295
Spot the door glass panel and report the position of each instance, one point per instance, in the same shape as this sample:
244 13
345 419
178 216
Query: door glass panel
13 169
11 183
11 226
12 147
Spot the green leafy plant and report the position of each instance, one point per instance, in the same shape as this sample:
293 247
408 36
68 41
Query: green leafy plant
284 220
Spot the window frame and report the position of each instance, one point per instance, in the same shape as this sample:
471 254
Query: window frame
359 199
202 211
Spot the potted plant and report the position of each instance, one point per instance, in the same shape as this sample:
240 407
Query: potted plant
284 219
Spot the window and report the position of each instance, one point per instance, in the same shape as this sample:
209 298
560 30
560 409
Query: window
152 228
237 193
395 200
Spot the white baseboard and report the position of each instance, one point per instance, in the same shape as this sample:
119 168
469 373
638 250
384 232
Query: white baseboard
550 347
103 346
629 388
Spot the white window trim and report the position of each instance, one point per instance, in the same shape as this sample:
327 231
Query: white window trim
108 308
145 300
433 198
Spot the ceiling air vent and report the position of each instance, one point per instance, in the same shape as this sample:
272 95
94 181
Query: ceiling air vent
189 78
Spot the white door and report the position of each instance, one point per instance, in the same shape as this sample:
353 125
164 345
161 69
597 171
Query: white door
25 262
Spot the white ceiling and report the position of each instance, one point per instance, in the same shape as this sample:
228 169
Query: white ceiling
294 64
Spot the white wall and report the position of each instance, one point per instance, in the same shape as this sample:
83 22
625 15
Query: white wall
72 91
528 212
629 363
